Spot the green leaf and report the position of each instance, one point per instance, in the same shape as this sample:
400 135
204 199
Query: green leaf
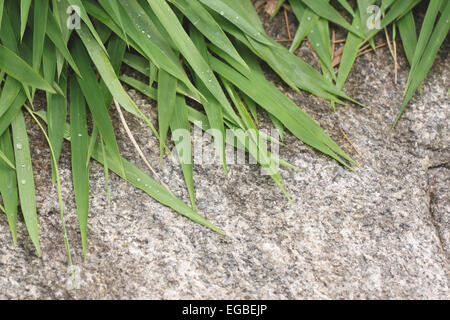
10 91
179 125
319 37
307 20
347 7
407 29
56 104
232 11
24 10
85 17
39 29
425 34
8 183
212 107
326 11
57 37
205 23
142 31
419 73
2 3
19 69
79 147
25 179
167 91
275 102
109 76
351 49
191 53
91 90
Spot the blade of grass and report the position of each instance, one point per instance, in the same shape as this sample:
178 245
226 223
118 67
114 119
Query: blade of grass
39 29
213 109
191 53
13 110
24 10
20 70
25 179
232 11
2 4
9 93
293 118
180 124
56 105
429 55
85 17
326 11
351 49
307 20
167 91
347 7
79 150
425 35
108 75
206 24
407 29
91 89
56 36
8 183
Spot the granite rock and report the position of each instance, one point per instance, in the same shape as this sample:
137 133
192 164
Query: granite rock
380 232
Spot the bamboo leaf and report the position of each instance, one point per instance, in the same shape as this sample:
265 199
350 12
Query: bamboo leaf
179 125
16 67
25 179
79 148
24 10
167 91
8 182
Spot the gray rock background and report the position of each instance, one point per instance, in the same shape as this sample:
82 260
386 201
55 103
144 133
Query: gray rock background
381 232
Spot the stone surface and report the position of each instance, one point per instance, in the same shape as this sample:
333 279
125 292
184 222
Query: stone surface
379 232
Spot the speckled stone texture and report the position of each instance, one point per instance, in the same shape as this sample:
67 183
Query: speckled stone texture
381 232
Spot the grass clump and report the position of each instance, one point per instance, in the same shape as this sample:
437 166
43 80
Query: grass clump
207 51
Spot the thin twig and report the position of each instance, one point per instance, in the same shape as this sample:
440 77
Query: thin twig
395 58
389 42
136 146
337 57
286 19
333 44
364 48
371 49
351 143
